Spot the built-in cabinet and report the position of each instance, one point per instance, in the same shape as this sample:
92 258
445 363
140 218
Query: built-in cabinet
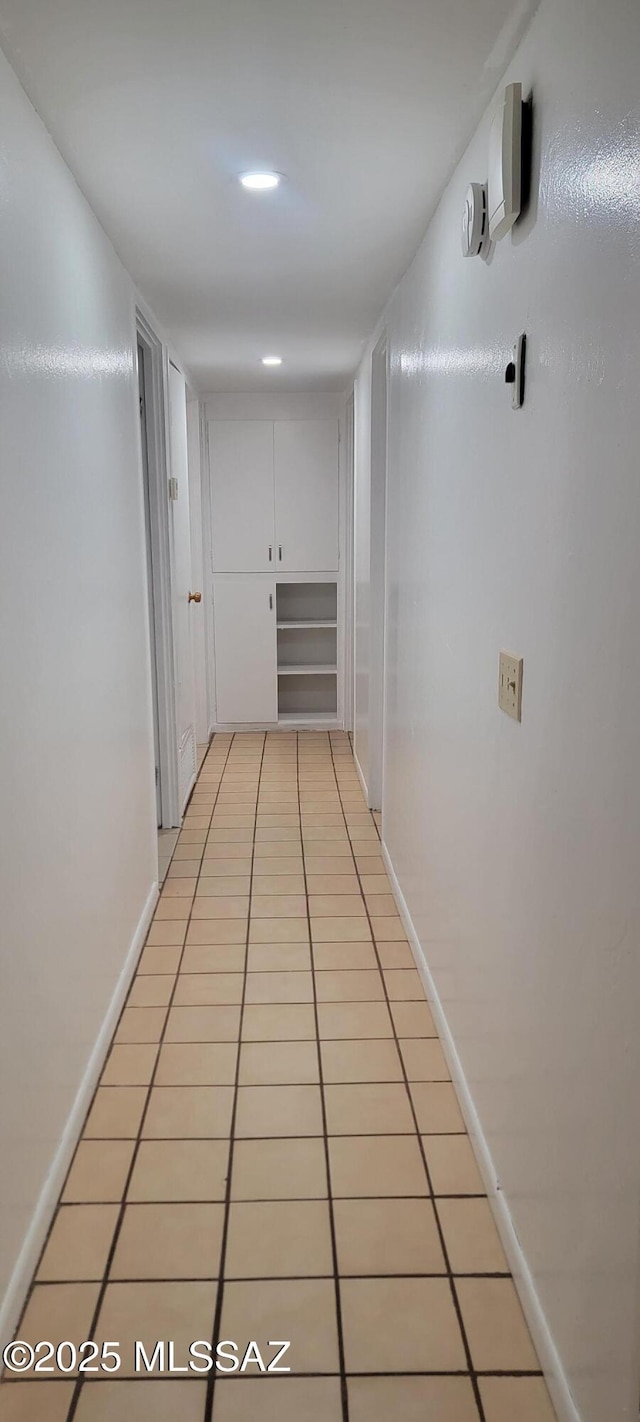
274 546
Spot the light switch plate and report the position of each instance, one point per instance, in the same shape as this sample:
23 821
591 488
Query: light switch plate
510 685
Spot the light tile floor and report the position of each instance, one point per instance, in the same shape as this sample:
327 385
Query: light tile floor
275 1149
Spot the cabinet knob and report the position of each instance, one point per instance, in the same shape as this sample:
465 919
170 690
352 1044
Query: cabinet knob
280 552
270 552
195 597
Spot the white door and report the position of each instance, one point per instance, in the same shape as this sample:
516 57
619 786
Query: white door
244 619
306 480
241 457
183 610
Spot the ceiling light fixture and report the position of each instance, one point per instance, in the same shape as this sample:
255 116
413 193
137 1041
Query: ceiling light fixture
260 182
272 360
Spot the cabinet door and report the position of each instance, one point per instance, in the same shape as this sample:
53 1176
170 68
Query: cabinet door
306 478
244 620
241 460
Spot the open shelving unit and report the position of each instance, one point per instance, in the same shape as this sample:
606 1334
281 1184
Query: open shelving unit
307 631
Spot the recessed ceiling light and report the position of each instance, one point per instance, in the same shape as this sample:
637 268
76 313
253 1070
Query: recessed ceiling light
260 182
272 360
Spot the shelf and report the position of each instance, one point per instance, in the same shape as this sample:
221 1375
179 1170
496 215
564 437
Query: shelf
287 626
308 670
307 718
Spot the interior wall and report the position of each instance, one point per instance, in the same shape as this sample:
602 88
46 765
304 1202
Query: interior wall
78 858
516 845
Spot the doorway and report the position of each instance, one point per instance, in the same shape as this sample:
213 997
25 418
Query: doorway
378 570
154 461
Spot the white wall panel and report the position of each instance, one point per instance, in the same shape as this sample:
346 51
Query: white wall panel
516 846
77 830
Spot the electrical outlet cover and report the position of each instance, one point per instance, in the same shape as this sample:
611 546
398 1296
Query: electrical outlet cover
510 685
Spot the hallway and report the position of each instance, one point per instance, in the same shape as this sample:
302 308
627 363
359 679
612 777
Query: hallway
276 929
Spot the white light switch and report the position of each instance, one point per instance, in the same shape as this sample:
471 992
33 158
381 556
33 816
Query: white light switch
510 685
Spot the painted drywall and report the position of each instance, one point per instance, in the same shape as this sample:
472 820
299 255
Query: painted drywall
516 846
77 832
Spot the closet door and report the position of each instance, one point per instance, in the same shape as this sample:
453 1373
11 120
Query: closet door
244 619
306 480
242 530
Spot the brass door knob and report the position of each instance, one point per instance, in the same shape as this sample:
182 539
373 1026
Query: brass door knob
195 597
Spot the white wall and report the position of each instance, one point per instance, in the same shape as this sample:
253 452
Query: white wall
516 846
77 831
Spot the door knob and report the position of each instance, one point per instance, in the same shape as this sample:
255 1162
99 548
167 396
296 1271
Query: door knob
195 597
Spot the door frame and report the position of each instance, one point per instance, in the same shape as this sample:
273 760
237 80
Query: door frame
156 410
378 569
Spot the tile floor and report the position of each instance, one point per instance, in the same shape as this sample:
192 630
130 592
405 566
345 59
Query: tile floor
275 1149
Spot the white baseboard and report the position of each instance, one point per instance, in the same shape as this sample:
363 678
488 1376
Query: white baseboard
549 1360
13 1301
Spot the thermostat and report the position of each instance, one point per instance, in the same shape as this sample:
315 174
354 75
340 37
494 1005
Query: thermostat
505 163
474 220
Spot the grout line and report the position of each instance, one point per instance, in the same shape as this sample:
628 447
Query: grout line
211 1376
332 1224
450 1275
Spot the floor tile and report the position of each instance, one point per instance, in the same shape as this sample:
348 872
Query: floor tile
376 1165
278 930
340 930
395 955
197 1064
495 1326
277 885
278 906
270 1169
35 1401
224 886
278 1063
217 930
387 1237
330 905
388 930
203 1024
130 1065
471 1238
339 885
424 1059
524 1399
180 1170
349 985
79 1243
116 1112
280 1238
301 1310
208 989
368 1109
452 1165
265 870
350 1061
277 958
400 1325
413 1019
334 957
353 1019
264 1022
403 985
278 1400
274 987
141 1024
178 1111
413 1399
278 1111
57 1311
221 908
159 961
329 865
213 958
148 1400
181 1312
99 1171
151 990
436 1107
169 1241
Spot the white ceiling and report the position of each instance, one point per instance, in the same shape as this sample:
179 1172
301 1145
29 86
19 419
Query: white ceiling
157 105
